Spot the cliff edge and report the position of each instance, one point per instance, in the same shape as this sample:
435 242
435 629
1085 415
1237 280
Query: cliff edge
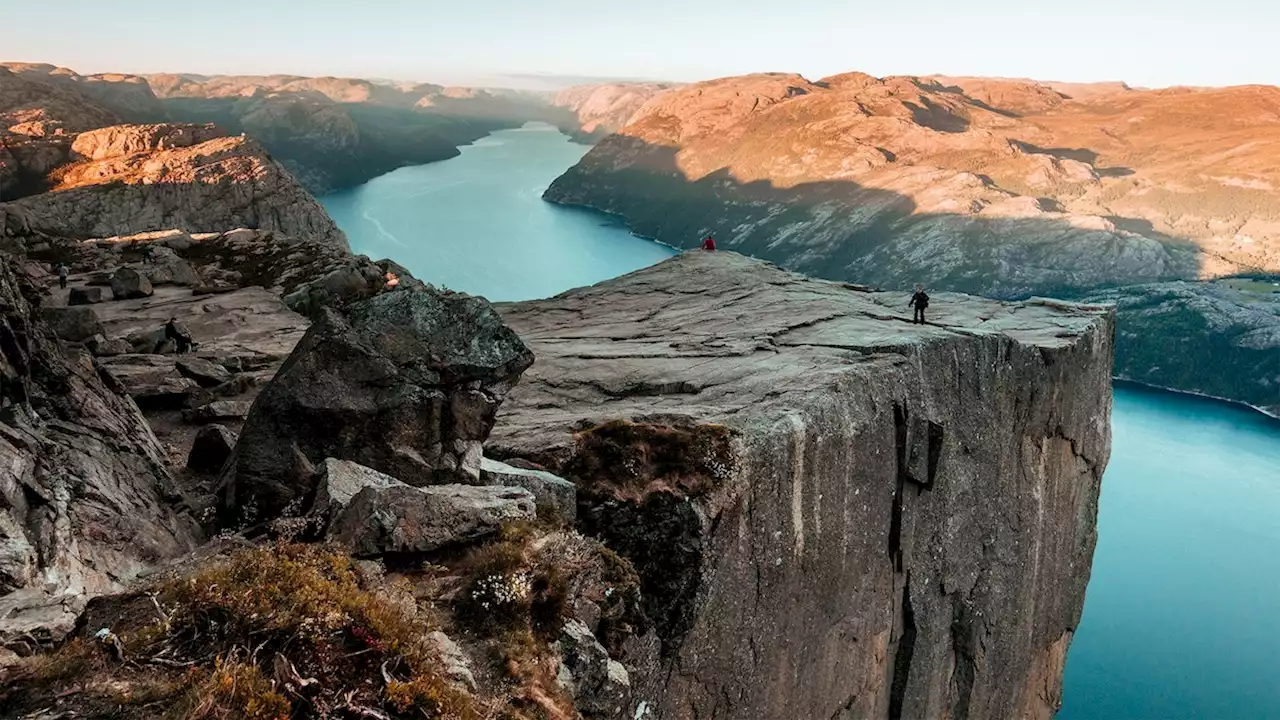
833 512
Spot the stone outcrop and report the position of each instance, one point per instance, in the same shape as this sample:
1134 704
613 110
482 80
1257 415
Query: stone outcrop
998 187
599 685
401 518
407 383
145 177
920 499
85 499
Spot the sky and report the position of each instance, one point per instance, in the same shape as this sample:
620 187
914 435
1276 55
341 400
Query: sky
1143 42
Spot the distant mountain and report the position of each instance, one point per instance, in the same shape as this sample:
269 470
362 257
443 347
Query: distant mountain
70 166
602 109
1002 187
331 133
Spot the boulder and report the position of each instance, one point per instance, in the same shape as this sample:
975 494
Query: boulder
73 324
101 278
556 496
85 296
408 384
206 373
212 447
164 267
600 686
218 410
342 480
128 284
403 519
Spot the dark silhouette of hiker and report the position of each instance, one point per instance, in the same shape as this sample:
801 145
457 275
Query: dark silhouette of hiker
920 301
181 340
62 275
709 243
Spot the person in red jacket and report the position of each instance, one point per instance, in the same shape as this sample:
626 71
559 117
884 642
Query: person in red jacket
709 243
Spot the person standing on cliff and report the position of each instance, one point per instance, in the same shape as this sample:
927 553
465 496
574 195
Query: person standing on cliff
920 301
62 275
709 244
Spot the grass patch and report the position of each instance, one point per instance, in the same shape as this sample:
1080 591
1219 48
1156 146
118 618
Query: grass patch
633 459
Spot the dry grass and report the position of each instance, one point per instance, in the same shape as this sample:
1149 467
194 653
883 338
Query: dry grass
637 458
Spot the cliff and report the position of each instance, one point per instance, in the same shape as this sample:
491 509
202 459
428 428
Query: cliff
773 497
998 187
834 513
87 500
334 133
127 179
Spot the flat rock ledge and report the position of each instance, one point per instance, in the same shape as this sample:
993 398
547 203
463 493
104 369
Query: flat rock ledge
921 499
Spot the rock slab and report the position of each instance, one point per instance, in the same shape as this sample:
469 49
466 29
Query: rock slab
555 495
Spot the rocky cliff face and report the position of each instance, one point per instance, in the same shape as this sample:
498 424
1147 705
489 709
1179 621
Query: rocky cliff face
833 512
86 501
1004 188
127 179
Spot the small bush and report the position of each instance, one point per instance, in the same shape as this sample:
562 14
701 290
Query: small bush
233 691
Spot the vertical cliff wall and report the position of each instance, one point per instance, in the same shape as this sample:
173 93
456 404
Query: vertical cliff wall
835 513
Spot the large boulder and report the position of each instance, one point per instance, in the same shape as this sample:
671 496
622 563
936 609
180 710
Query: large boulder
403 519
73 324
212 447
164 267
128 284
408 383
85 296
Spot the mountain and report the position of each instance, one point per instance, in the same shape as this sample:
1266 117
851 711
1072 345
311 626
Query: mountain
602 109
1000 187
334 133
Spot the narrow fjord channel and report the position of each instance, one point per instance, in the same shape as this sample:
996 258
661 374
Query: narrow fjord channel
1178 622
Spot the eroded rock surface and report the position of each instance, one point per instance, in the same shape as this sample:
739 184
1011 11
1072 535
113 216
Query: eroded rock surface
86 501
921 499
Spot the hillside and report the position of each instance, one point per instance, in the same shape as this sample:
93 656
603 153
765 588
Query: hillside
1000 187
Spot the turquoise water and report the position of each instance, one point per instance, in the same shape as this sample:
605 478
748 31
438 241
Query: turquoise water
477 222
1182 618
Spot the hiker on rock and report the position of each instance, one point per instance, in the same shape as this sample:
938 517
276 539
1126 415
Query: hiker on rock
172 331
920 301
62 275
709 244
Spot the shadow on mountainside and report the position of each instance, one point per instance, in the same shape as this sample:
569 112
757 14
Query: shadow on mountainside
355 142
845 231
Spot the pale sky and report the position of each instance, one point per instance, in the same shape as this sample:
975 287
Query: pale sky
1143 42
